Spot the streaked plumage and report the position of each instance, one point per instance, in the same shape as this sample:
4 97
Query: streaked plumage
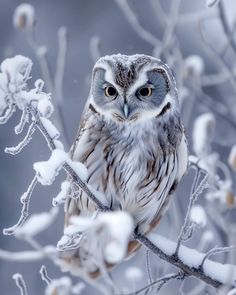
133 146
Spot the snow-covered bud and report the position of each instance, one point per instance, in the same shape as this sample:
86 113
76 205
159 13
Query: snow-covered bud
133 273
60 286
63 194
42 51
203 131
47 170
24 17
198 215
194 66
232 158
39 84
45 108
62 33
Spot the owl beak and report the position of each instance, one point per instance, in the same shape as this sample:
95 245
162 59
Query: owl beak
126 110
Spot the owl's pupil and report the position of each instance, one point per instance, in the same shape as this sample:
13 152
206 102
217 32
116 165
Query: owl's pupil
145 91
110 91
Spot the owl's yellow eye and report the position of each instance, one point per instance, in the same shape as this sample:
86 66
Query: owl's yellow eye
145 91
110 91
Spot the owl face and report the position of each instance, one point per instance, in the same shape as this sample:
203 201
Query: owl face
132 88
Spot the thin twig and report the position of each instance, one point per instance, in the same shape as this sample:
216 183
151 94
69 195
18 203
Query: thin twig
135 24
225 25
44 275
20 283
195 191
162 281
14 150
218 58
215 251
150 280
60 67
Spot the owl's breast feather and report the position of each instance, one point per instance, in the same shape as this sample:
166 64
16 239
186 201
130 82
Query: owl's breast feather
135 168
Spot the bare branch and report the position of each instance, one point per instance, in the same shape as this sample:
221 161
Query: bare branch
137 27
218 58
61 58
23 256
225 25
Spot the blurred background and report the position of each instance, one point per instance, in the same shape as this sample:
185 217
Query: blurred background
103 23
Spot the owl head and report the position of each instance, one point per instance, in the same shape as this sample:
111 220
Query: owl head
132 88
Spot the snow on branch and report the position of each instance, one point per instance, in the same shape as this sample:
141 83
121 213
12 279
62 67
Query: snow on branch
190 261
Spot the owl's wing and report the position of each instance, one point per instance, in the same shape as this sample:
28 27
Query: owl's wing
163 203
182 155
81 129
173 178
71 207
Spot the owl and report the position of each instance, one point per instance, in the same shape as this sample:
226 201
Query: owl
132 142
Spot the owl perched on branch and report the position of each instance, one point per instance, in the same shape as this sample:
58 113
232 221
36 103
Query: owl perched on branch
132 142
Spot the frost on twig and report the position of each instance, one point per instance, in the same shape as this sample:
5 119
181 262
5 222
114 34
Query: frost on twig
25 200
20 283
24 19
17 149
62 286
134 22
64 193
214 251
160 282
197 188
44 275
